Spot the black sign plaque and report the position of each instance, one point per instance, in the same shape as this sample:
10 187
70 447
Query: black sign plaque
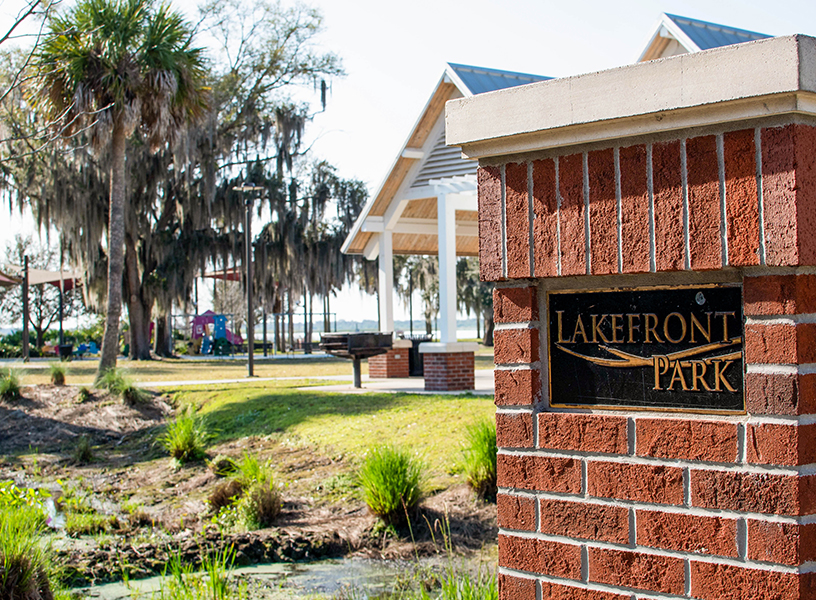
651 348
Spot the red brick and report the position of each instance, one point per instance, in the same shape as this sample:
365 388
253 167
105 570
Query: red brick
517 387
778 444
788 188
539 556
545 222
512 346
541 473
703 178
687 439
388 365
572 227
516 588
670 241
712 581
753 492
603 212
515 305
640 483
637 571
635 240
446 371
780 343
555 591
582 432
490 228
516 512
514 430
586 521
741 197
517 214
779 295
687 533
780 394
785 543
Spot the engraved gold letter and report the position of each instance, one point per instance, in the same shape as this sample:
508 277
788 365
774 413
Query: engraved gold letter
719 374
615 328
677 375
661 365
698 376
696 324
579 329
633 327
682 328
651 323
561 339
596 331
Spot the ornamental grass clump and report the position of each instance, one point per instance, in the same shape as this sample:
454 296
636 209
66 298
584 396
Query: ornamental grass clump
118 384
479 456
57 372
9 385
185 438
391 481
25 561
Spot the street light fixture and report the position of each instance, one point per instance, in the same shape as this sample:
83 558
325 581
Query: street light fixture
248 187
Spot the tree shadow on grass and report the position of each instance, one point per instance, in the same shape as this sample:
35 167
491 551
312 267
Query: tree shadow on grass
252 412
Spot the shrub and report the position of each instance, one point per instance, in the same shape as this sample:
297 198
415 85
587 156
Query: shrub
223 466
9 385
57 372
83 395
24 558
226 493
480 458
249 470
83 453
117 383
261 504
391 482
185 438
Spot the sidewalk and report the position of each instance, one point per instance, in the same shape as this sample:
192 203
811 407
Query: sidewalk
412 385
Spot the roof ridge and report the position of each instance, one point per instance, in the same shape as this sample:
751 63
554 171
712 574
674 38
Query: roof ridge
717 26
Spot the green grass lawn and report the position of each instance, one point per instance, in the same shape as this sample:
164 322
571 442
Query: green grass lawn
83 371
344 424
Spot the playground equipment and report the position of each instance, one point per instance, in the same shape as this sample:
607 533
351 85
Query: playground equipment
211 336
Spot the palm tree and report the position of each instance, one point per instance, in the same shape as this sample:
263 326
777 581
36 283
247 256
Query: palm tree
107 68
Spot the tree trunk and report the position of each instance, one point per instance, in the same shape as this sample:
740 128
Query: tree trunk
164 336
140 305
488 329
116 242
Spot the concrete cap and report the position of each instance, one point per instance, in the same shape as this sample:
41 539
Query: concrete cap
732 83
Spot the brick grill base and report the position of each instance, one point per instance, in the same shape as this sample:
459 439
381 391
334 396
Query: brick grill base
392 364
449 371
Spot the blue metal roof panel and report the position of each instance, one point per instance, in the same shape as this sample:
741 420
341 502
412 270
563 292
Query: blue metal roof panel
711 35
480 80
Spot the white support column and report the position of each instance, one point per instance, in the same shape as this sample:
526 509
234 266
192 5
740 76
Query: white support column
386 282
446 218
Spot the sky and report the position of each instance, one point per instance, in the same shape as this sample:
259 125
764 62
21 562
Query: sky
394 54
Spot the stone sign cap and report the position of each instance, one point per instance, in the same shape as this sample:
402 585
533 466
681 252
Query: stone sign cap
733 83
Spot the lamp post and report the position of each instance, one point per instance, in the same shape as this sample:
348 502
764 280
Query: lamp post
248 187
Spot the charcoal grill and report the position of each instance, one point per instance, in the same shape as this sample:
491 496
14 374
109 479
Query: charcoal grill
355 346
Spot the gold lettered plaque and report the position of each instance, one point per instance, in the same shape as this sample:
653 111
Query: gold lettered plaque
650 348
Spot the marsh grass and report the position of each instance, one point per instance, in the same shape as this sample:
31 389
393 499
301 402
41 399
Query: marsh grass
185 438
212 582
391 479
480 457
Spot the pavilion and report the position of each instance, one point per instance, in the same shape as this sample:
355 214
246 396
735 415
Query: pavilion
427 203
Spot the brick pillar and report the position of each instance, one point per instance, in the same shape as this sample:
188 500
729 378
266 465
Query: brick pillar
449 366
392 364
614 505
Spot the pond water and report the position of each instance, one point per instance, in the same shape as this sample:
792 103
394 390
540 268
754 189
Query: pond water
367 577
